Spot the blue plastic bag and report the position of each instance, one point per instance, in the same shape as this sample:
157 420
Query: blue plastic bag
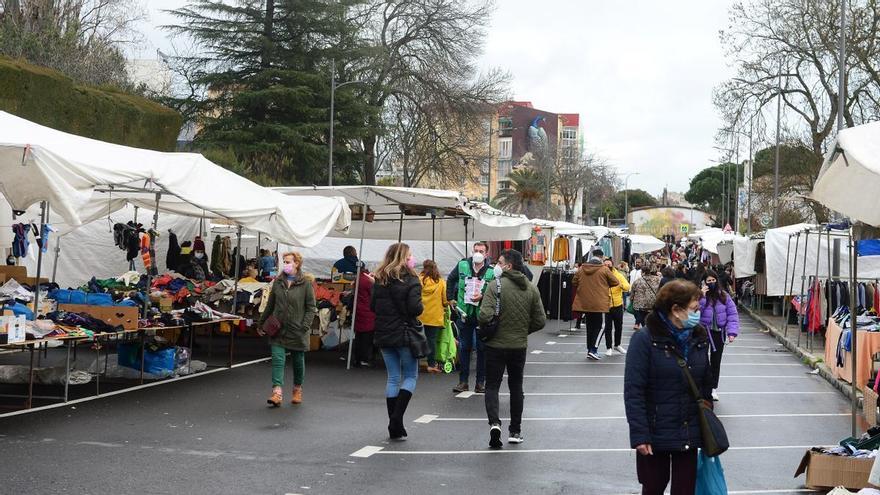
710 476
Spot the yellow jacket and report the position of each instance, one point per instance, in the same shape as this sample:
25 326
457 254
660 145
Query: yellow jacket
433 301
617 291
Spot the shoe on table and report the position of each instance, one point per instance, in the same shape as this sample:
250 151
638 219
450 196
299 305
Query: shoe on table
480 388
609 352
461 387
495 437
620 350
715 395
516 438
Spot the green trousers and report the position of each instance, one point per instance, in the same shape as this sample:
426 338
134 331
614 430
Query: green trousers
279 357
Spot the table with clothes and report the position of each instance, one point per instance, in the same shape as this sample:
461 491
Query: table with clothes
838 352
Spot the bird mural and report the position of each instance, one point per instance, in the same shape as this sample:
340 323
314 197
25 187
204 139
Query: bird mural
538 141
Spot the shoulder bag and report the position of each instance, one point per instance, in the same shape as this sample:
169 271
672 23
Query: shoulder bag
413 333
488 331
272 326
712 430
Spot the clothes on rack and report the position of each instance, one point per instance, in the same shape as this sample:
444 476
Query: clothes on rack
560 249
172 259
537 243
20 242
556 292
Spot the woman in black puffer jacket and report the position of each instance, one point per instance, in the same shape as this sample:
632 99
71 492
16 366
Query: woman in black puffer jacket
663 424
397 303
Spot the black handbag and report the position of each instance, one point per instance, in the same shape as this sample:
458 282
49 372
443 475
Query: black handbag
487 332
712 430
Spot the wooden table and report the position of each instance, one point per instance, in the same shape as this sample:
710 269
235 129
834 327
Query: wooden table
867 345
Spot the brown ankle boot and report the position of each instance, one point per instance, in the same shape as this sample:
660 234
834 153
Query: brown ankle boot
297 396
275 399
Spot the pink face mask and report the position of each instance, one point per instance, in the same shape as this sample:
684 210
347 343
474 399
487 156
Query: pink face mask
411 262
288 269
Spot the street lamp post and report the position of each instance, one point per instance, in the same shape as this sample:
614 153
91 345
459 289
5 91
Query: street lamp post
626 199
333 88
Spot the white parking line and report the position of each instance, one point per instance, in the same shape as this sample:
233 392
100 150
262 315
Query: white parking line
594 363
803 377
722 394
430 418
465 395
370 450
773 354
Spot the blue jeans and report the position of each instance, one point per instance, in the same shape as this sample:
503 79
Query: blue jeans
467 335
400 361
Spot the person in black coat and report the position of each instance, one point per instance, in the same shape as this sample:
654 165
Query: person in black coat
397 303
664 427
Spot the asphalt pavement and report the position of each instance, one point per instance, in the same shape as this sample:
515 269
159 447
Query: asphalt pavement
215 435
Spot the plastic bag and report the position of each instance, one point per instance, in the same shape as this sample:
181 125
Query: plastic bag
710 476
446 350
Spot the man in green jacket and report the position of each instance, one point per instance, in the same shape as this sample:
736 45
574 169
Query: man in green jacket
521 313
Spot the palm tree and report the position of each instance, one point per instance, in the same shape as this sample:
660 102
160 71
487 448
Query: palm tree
526 194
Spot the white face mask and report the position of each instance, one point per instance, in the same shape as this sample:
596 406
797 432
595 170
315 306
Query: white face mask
498 271
199 255
479 258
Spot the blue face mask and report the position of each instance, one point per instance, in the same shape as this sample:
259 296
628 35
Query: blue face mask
693 319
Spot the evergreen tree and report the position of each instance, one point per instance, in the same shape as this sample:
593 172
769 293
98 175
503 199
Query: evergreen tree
266 68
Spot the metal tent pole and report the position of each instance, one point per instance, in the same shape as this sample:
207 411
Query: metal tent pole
57 252
235 295
44 218
785 284
854 250
357 284
818 258
803 280
433 235
400 228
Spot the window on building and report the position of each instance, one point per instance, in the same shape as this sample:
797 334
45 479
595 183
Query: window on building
484 180
505 123
503 184
505 148
569 137
504 168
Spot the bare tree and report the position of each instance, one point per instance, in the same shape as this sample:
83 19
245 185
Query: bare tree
423 58
788 48
81 38
602 183
574 173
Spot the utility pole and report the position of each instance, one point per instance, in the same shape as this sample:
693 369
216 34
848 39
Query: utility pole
841 79
776 166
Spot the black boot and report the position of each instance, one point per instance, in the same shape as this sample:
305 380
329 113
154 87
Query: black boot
391 403
395 425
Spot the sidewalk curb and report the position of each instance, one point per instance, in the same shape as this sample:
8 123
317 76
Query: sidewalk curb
809 359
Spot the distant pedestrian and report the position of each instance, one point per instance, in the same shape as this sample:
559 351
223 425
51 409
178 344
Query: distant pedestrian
667 274
663 417
644 294
462 292
365 322
614 316
434 303
718 313
292 301
397 302
592 284
520 313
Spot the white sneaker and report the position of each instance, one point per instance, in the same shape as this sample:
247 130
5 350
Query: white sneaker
609 352
620 350
715 395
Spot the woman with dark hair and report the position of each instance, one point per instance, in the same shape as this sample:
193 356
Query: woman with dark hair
365 322
718 313
667 274
397 303
664 427
434 302
644 293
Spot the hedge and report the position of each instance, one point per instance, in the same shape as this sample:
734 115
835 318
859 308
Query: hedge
49 98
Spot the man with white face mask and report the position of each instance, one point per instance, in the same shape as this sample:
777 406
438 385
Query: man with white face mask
472 272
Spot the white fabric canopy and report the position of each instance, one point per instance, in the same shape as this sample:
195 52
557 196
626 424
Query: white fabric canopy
589 232
744 253
711 240
451 209
74 174
850 177
642 244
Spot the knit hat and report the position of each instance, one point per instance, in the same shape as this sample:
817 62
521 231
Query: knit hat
199 244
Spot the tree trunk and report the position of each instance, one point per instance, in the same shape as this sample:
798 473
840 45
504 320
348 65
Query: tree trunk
369 171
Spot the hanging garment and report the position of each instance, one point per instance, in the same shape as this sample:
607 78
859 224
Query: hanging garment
154 260
172 259
627 250
579 251
814 312
132 241
43 242
20 242
215 255
226 262
145 252
560 249
869 296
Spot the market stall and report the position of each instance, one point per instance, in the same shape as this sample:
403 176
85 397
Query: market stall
77 180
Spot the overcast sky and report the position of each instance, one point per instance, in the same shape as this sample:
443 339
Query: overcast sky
639 72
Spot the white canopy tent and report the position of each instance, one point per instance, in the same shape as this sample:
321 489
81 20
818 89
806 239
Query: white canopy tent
642 244
745 251
84 179
850 177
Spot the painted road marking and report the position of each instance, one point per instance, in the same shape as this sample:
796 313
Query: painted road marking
722 394
773 354
554 343
594 363
430 418
369 451
465 395
804 376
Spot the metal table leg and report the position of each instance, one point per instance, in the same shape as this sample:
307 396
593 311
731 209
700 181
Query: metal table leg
31 379
67 372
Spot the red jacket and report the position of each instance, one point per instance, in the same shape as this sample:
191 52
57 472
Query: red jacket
365 319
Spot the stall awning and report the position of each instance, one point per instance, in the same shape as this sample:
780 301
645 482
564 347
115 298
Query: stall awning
84 179
642 244
387 206
850 177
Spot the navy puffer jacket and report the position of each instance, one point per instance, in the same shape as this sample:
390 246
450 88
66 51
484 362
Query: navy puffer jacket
659 407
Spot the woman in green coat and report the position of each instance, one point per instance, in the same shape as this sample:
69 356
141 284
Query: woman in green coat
292 301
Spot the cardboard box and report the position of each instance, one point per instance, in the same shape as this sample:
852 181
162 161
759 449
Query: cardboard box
869 405
165 303
17 273
127 316
829 471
